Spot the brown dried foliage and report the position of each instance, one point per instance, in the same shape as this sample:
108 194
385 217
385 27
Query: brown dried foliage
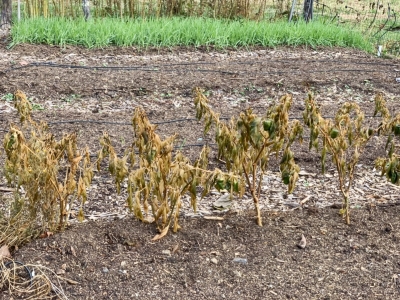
390 126
47 175
344 138
156 177
247 142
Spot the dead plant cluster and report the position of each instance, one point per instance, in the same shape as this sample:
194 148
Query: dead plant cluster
247 142
390 165
344 138
50 176
157 177
47 176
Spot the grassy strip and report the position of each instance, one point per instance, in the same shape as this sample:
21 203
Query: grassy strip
167 32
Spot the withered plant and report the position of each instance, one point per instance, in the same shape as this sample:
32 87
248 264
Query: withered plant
47 176
390 126
157 178
345 138
246 143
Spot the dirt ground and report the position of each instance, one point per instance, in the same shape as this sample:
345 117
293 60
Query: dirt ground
111 256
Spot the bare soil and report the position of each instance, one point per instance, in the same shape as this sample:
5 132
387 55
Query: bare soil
111 256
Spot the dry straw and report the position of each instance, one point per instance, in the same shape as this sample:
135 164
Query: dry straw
29 281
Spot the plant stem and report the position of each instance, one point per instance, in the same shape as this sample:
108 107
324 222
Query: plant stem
254 195
257 206
347 212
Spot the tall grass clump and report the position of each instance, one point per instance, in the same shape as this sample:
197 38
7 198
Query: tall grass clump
168 32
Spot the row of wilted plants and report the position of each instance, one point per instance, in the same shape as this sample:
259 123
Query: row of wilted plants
51 176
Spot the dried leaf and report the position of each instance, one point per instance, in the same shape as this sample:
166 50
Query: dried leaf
73 252
46 234
161 235
305 200
4 252
76 160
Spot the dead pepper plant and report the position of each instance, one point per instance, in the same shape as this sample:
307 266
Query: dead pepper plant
247 142
345 138
157 178
390 126
47 176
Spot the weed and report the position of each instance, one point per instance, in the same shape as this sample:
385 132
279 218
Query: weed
8 97
71 98
36 106
167 95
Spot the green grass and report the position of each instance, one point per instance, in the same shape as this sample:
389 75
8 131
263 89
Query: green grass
168 32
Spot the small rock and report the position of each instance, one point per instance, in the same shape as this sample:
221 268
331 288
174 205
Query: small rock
123 264
166 252
214 260
105 270
240 260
